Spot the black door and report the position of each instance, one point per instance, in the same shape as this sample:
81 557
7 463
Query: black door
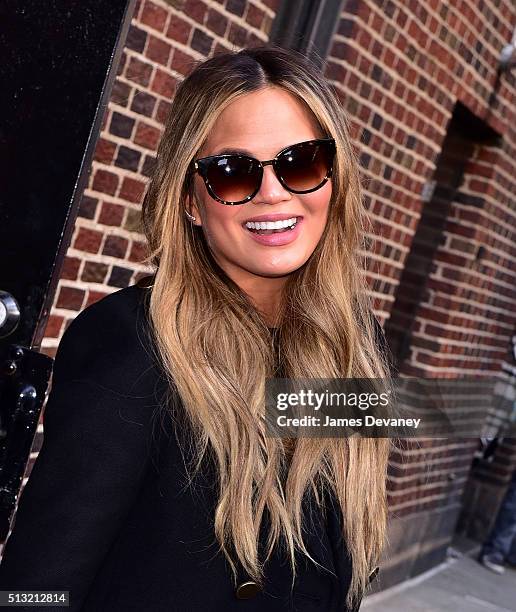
59 60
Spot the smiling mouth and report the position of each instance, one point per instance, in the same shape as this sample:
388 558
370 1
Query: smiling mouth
266 228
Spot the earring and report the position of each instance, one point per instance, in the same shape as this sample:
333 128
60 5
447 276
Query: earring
191 217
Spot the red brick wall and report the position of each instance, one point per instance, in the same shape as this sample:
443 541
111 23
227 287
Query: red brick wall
399 69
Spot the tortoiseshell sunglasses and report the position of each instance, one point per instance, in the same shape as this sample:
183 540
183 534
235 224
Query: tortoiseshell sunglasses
233 178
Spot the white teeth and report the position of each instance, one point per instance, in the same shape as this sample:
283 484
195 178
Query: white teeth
269 225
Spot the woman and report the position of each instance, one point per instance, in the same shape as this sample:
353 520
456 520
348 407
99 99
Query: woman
205 509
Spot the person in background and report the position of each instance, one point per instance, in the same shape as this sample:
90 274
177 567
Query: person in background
500 547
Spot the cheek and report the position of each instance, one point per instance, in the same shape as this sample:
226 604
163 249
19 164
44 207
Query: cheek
220 217
219 220
318 204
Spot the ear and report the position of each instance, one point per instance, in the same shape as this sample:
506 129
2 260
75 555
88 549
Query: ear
193 209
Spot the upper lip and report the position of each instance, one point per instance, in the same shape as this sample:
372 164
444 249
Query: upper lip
271 217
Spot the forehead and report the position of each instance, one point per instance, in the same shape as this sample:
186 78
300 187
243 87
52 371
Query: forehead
262 123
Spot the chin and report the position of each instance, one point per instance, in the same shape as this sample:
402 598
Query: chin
277 271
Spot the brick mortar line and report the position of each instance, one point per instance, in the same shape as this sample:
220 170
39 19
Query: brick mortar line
439 445
392 204
472 225
432 464
396 507
268 11
469 224
503 308
386 297
109 229
416 452
86 286
78 283
440 369
401 480
493 205
106 197
497 168
458 344
448 249
476 273
428 487
453 369
382 312
108 260
466 301
390 280
123 172
393 225
469 288
373 275
393 278
492 199
483 211
493 180
381 259
100 194
455 357
455 328
369 235
492 249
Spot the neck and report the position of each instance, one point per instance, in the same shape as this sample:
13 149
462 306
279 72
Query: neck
264 293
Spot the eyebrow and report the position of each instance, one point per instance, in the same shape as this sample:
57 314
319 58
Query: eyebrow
237 151
232 151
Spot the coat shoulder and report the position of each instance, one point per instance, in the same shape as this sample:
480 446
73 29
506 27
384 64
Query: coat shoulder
110 342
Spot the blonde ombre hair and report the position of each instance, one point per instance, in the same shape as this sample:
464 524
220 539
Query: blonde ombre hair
218 351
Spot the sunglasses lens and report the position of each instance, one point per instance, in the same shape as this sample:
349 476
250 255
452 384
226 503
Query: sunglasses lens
233 178
306 165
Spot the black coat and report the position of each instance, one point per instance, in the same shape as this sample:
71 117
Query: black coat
106 513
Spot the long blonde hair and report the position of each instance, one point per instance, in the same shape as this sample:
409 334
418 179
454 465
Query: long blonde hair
218 351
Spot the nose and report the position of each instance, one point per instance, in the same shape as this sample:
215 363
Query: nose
271 190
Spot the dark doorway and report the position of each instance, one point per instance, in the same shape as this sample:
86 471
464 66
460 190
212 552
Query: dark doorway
59 60
465 130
